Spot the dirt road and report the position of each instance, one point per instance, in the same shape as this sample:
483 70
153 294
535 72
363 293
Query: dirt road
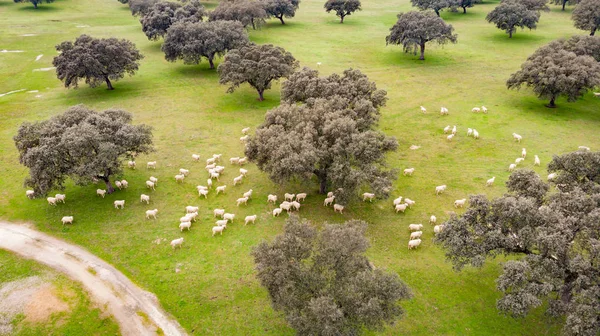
108 287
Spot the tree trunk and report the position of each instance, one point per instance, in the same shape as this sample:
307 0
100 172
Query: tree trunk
564 3
109 187
464 10
35 5
551 104
342 18
593 31
510 33
281 19
108 83
422 52
210 61
323 184
260 94
253 25
437 11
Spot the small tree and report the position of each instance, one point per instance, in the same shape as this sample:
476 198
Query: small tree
324 284
510 15
560 68
564 3
586 16
464 4
435 5
414 29
95 60
140 7
81 144
257 65
281 8
156 21
342 8
34 2
554 238
248 12
192 41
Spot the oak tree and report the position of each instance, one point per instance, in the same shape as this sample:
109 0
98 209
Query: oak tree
139 7
414 29
80 144
586 16
510 15
281 8
156 21
435 5
564 2
192 41
257 65
95 60
323 282
248 12
553 237
342 8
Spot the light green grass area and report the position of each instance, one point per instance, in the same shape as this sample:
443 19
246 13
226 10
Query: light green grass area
82 317
216 292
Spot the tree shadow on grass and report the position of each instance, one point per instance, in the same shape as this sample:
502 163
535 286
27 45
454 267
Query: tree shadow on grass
87 95
519 37
45 8
200 70
276 24
582 109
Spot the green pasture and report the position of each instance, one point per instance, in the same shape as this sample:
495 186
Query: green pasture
216 292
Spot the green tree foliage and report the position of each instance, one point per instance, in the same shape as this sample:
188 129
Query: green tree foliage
248 12
563 3
435 5
281 8
139 7
257 65
95 60
192 41
586 16
35 3
156 21
414 29
510 15
557 235
324 284
534 5
342 8
561 68
81 144
331 136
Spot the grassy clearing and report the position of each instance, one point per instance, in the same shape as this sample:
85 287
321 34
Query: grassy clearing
216 292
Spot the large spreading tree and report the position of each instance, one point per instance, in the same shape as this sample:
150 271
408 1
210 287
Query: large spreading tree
192 41
257 65
164 14
562 68
35 3
414 29
511 15
325 128
435 5
80 144
586 16
248 12
342 8
324 283
96 60
554 237
281 8
140 7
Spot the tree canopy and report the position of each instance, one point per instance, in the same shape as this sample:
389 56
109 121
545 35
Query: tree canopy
435 5
139 7
192 41
35 3
561 68
586 16
248 12
342 8
563 3
464 4
81 144
331 136
510 15
257 65
157 20
556 233
534 5
414 29
95 60
323 283
281 8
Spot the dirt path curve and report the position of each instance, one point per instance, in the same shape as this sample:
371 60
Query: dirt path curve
109 288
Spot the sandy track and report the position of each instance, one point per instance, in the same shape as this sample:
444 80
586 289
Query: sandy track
109 288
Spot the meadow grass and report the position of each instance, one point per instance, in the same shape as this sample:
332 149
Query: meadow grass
216 291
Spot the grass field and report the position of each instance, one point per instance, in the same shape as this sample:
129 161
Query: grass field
216 292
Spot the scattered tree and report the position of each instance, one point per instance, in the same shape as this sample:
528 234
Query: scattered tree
281 8
587 16
564 3
435 5
248 12
324 284
510 15
81 144
139 7
257 65
95 60
555 233
464 4
331 136
192 41
534 5
414 29
342 8
560 68
34 2
158 19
